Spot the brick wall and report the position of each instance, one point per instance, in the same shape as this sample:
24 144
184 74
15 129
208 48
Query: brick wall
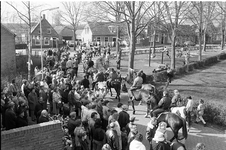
8 56
44 136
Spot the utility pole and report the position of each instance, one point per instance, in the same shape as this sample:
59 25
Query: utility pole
29 42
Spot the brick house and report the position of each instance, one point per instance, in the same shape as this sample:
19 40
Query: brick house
184 33
8 55
49 35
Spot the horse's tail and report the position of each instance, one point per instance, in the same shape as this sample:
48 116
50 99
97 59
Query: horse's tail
184 130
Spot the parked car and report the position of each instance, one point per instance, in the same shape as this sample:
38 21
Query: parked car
189 43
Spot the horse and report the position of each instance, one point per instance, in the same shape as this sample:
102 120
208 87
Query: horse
180 111
145 96
101 89
175 122
116 84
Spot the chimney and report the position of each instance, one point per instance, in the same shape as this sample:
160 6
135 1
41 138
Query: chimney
44 16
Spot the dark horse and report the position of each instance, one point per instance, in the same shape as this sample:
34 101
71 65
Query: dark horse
116 84
175 122
145 96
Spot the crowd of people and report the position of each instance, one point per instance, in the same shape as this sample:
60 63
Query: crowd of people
92 124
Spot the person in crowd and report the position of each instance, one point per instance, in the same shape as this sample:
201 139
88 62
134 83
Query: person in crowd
130 124
137 144
119 107
106 147
85 82
106 113
43 94
21 120
124 117
82 136
93 120
97 135
200 112
159 141
39 107
57 104
24 83
176 101
137 84
113 75
71 99
200 146
75 66
44 117
77 131
73 122
10 117
112 137
12 87
163 105
32 100
124 137
151 129
189 109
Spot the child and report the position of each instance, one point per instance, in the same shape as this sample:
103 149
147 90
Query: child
150 131
200 112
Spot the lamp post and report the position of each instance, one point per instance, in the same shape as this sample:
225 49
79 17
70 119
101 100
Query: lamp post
49 9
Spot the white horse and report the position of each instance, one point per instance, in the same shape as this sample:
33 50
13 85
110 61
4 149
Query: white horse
101 89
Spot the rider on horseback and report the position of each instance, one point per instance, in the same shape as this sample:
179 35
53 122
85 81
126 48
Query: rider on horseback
137 84
112 76
163 105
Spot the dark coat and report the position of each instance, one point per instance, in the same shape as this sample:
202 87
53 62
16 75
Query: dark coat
85 83
32 100
10 119
71 98
43 94
123 119
72 124
21 122
42 119
38 109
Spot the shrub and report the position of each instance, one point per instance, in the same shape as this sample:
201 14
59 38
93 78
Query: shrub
160 76
215 114
210 60
222 56
181 70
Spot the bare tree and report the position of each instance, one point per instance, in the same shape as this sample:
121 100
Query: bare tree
222 6
57 18
172 16
73 14
26 18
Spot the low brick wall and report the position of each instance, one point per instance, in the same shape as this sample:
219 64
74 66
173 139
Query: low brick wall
44 136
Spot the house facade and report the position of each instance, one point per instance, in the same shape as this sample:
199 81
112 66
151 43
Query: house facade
50 36
103 33
8 55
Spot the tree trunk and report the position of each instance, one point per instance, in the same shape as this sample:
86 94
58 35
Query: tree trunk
200 44
154 36
29 43
132 44
172 64
74 35
204 40
118 61
222 39
200 32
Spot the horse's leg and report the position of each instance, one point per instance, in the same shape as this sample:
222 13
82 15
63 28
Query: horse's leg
110 91
133 107
148 109
175 135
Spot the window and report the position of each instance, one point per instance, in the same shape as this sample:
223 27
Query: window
106 39
98 39
37 40
49 31
46 41
156 38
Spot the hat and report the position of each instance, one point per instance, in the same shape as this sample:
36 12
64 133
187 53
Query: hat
125 107
189 97
132 119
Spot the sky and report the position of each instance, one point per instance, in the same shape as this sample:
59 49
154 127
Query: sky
7 11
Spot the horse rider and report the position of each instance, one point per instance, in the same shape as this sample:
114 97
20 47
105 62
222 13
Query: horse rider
99 77
176 101
112 76
137 84
163 105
